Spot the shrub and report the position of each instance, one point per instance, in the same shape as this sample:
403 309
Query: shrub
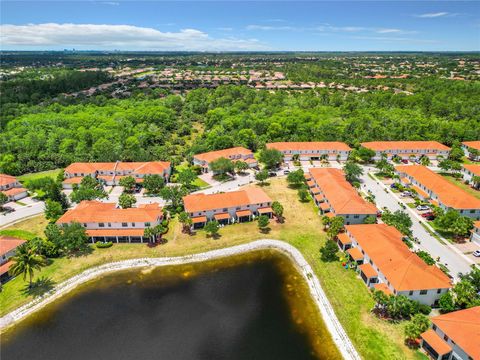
103 245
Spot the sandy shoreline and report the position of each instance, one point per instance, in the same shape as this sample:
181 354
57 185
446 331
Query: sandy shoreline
336 330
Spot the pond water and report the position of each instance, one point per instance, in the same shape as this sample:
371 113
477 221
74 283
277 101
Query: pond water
252 306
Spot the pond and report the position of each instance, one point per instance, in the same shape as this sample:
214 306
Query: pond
250 306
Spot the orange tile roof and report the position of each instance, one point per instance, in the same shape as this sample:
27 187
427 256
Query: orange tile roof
403 268
404 145
436 342
472 144
225 153
265 210
315 190
324 206
463 327
368 270
344 238
204 202
307 176
405 180
14 191
150 167
73 180
420 192
5 267
7 179
96 212
477 224
473 168
310 183
8 243
355 253
199 219
341 195
384 288
329 214
449 194
309 145
319 197
222 216
115 232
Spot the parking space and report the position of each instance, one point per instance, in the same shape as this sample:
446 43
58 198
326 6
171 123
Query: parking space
468 248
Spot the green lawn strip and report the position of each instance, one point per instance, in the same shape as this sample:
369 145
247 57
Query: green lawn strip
20 203
49 173
21 234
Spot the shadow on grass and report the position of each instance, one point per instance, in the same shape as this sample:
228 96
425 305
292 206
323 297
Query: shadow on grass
215 236
39 287
265 230
81 252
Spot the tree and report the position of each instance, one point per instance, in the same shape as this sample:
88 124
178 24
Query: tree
399 219
418 324
296 178
384 166
271 158
241 166
446 303
222 166
329 251
126 200
128 183
53 210
473 154
263 221
277 209
465 295
326 221
261 176
473 277
74 238
174 194
153 184
89 189
187 177
212 228
456 153
185 220
352 171
336 224
153 233
426 257
26 262
425 161
370 219
303 195
453 222
362 154
3 199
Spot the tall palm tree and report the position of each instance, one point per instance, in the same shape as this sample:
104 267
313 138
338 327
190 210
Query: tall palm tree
26 262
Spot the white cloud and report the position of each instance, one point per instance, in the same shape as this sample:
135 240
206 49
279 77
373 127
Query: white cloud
111 3
433 15
122 37
394 31
269 28
395 39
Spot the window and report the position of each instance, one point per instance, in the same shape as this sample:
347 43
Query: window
434 327
445 337
147 224
439 291
225 209
356 216
347 216
472 211
410 293
423 292
109 224
101 224
84 225
124 224
133 224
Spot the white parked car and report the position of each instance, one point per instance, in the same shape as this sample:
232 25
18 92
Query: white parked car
423 208
406 194
476 253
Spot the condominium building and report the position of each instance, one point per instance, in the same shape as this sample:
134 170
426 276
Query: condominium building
475 237
454 336
107 222
8 246
11 187
314 150
470 170
234 154
468 146
110 173
335 196
407 149
229 207
386 263
434 188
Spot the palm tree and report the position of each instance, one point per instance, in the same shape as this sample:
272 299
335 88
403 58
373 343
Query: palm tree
185 220
26 262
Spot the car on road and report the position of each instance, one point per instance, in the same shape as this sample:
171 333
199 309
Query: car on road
7 210
286 172
272 174
476 253
406 194
427 214
423 208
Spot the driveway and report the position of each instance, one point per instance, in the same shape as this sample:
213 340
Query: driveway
31 209
450 256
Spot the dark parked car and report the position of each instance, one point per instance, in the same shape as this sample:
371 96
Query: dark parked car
272 174
7 210
405 161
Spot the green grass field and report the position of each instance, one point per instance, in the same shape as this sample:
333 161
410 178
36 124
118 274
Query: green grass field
374 338
32 176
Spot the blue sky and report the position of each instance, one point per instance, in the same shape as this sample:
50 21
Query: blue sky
235 25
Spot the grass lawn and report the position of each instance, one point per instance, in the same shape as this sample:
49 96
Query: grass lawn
373 338
27 229
461 185
32 176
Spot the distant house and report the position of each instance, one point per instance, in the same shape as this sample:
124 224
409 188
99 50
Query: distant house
314 150
235 154
434 188
407 149
468 145
227 208
8 246
111 172
106 222
454 336
470 170
10 186
335 196
386 263
475 237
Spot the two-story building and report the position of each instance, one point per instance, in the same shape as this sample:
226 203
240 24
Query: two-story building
11 187
434 188
475 237
468 146
454 336
106 222
413 150
313 150
470 170
386 263
229 207
111 172
235 154
335 196
8 246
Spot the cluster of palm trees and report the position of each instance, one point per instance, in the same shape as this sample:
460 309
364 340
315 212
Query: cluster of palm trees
26 262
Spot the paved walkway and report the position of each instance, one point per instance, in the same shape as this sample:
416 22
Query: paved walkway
339 335
451 257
